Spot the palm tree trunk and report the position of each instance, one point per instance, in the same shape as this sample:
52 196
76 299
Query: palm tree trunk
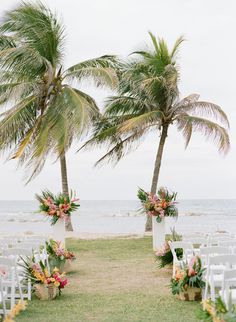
65 189
157 166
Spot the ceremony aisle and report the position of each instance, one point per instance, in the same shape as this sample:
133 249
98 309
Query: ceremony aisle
115 280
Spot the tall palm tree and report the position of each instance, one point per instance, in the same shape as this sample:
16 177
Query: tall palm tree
149 100
44 109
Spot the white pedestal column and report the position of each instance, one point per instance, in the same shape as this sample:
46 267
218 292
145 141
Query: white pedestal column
158 233
58 231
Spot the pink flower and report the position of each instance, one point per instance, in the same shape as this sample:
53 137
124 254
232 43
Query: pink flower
63 283
75 199
191 272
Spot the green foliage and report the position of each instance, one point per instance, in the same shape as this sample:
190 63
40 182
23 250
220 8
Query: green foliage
142 195
190 276
216 311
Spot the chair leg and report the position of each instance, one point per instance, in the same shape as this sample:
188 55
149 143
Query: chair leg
29 290
205 291
13 292
19 285
213 296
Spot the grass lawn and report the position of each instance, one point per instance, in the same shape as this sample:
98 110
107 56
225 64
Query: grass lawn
116 280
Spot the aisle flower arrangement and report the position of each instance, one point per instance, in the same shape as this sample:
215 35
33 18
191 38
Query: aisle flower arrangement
57 206
58 255
216 311
20 306
164 255
188 281
160 205
46 284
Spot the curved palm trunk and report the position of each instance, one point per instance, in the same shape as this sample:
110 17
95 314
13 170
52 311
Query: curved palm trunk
157 166
65 189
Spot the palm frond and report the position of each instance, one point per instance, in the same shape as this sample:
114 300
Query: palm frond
100 70
153 118
121 148
176 47
203 108
16 122
38 27
122 105
188 124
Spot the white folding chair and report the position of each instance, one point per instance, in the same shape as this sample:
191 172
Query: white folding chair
3 245
10 281
205 252
18 254
215 268
228 291
38 248
2 297
188 251
229 243
198 242
215 240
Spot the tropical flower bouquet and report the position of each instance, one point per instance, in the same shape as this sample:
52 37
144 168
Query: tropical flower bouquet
216 311
188 281
159 205
59 256
57 206
46 285
164 255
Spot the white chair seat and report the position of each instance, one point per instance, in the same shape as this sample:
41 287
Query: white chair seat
217 268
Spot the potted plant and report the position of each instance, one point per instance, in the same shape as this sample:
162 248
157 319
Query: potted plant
46 285
60 257
188 281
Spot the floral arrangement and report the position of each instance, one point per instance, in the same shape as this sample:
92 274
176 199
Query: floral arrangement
216 311
39 274
58 255
189 276
57 206
164 255
20 306
159 205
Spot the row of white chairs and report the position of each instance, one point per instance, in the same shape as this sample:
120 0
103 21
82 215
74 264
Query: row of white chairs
13 283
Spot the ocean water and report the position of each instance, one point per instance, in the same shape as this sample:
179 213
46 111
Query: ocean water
120 216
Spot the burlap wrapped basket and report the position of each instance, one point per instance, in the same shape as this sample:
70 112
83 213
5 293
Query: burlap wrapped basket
191 294
45 292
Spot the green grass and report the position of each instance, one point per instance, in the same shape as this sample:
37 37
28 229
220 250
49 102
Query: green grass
116 280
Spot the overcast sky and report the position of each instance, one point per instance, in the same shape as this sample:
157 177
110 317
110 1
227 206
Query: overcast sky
207 61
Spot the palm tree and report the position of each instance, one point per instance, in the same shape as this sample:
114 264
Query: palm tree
148 100
44 109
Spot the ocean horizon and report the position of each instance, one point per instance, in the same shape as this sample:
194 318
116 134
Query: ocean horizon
120 217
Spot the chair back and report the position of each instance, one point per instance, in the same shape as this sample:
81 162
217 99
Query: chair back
202 241
228 283
17 252
187 248
228 260
215 240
